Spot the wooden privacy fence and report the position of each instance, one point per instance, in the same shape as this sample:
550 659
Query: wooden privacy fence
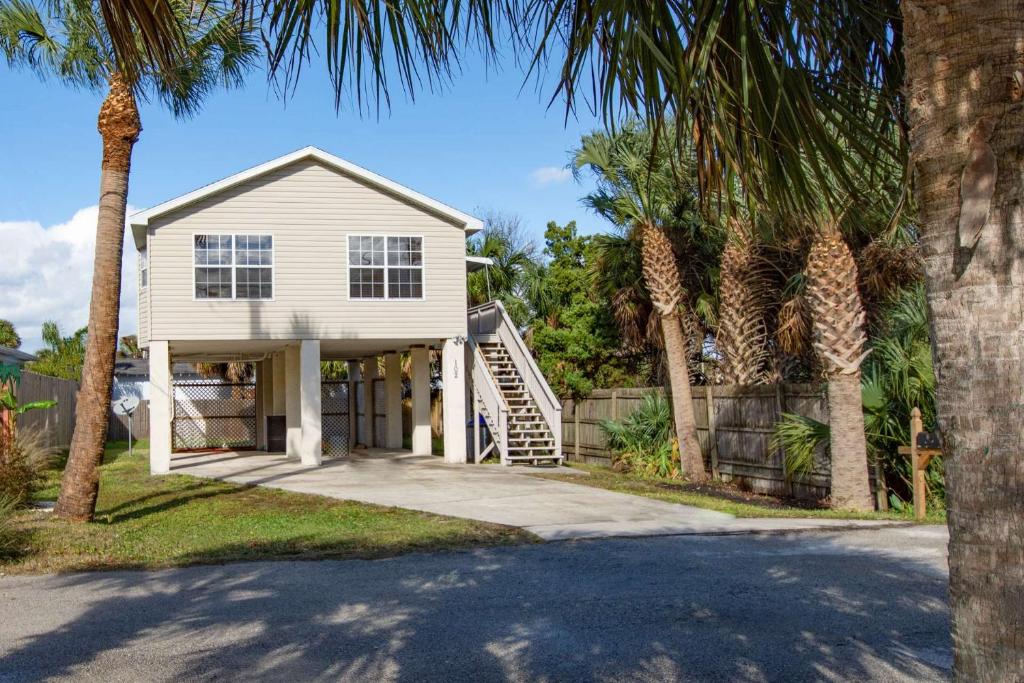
734 425
57 424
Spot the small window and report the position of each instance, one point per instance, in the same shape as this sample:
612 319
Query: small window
234 266
143 268
385 267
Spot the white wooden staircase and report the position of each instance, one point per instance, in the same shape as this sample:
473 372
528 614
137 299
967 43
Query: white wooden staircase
522 416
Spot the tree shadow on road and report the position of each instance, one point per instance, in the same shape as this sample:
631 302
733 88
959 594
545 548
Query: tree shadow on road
738 608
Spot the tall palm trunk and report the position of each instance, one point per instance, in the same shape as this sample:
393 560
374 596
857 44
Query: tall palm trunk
119 126
838 323
965 95
742 337
662 279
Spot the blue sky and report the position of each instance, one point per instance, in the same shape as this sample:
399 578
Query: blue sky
480 144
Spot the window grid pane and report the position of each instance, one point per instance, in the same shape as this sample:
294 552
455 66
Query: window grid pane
213 283
385 267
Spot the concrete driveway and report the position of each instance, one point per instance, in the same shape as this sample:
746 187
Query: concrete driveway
490 493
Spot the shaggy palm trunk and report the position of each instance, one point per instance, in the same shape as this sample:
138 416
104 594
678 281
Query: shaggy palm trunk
119 127
965 93
838 324
742 336
662 279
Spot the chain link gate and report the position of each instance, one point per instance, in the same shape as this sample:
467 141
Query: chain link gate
334 417
214 415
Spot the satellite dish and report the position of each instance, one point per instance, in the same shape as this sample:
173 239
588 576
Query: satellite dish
125 405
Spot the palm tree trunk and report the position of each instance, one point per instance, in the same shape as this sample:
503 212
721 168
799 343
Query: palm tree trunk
662 279
692 460
965 95
849 472
119 127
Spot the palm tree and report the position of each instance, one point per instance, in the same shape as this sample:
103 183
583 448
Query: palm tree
838 321
777 92
644 195
502 240
8 335
744 296
63 356
69 41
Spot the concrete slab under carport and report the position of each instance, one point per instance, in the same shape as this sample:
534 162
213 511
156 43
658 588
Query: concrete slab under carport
552 510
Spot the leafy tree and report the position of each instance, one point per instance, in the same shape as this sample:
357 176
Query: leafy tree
69 40
503 241
575 341
63 356
129 347
8 335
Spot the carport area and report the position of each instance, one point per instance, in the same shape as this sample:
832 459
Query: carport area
287 407
491 493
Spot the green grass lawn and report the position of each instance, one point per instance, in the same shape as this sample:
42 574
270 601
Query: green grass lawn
715 496
147 522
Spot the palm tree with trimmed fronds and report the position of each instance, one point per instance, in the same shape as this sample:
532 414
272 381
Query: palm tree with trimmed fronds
68 40
643 192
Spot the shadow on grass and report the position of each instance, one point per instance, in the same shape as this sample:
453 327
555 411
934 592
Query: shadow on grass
724 608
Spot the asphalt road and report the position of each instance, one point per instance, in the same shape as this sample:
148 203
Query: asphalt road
852 606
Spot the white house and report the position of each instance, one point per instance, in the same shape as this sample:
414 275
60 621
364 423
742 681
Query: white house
308 258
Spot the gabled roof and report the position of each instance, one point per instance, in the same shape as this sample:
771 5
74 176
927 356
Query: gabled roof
9 354
141 219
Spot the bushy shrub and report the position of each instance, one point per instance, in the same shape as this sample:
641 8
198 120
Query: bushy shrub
643 442
798 437
21 466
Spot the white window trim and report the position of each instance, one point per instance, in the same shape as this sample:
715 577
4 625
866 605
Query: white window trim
422 267
233 266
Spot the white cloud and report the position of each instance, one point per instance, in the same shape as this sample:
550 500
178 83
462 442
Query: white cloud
47 275
550 175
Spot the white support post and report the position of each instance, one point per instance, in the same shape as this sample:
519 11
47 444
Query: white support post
370 372
279 391
266 376
261 383
420 400
355 375
311 446
292 401
453 382
393 400
160 406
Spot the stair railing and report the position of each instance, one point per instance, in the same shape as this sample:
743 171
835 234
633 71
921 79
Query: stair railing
492 320
486 392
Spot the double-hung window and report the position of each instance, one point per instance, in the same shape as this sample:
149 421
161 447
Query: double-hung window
234 266
382 267
143 268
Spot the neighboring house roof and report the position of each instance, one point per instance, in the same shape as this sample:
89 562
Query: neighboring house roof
140 220
9 355
138 369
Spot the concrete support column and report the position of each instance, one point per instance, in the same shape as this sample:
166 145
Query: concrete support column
453 382
160 407
393 400
310 448
261 382
420 400
355 375
279 392
292 401
370 374
266 378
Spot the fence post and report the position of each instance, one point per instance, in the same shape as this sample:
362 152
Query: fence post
576 428
709 401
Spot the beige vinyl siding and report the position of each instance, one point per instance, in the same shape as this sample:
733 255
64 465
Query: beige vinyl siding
310 210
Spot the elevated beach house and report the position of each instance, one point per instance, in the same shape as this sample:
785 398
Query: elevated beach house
309 258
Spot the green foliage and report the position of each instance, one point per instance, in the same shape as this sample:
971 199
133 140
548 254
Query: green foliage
574 338
799 437
129 347
22 461
63 356
8 335
502 240
642 442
